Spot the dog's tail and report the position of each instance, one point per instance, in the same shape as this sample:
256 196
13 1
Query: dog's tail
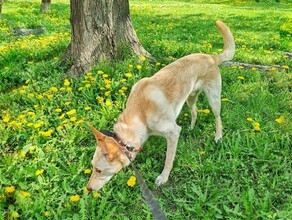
229 45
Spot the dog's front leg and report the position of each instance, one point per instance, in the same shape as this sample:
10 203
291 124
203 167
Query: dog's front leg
172 139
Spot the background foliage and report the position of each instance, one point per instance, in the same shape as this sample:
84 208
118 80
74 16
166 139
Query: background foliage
46 147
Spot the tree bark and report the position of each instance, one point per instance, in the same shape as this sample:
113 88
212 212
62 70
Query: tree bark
1 3
101 30
45 6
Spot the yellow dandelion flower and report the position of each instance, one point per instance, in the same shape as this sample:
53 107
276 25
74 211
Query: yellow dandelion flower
65 121
280 120
32 148
30 95
71 112
67 103
224 100
29 62
40 96
100 72
56 58
6 118
202 152
73 119
22 154
87 108
249 119
143 58
123 80
54 89
29 124
99 99
88 85
38 125
105 76
139 67
49 96
25 194
62 116
96 194
121 91
39 172
60 127
47 213
130 66
106 81
9 189
240 77
69 89
58 110
285 67
273 68
131 181
89 74
87 171
128 75
107 93
46 133
108 86
66 82
80 121
30 113
158 64
124 88
256 126
80 88
75 198
254 68
108 103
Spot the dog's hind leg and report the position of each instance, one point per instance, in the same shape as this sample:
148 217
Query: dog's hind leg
214 97
172 139
191 101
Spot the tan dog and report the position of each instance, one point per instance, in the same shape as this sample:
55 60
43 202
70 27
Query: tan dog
153 107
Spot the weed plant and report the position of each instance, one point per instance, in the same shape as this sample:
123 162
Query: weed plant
46 146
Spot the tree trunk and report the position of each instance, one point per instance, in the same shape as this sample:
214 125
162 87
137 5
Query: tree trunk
45 6
1 3
101 30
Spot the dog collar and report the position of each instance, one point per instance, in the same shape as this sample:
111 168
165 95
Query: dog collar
128 150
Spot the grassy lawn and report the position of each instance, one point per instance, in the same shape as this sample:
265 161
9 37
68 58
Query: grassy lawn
46 148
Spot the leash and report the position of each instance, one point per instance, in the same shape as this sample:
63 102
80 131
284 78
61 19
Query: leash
149 198
147 194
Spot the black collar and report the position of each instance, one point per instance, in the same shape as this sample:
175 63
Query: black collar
128 150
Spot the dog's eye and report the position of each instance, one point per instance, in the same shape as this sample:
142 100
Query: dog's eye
97 170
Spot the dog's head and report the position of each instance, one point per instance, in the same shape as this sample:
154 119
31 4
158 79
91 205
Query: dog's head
108 160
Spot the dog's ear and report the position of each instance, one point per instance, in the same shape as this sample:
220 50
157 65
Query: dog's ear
98 135
100 139
110 150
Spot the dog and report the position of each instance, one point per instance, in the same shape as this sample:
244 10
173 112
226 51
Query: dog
153 106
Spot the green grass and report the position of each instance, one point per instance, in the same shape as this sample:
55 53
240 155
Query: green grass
246 176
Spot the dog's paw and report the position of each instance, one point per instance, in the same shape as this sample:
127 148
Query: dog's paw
217 138
161 179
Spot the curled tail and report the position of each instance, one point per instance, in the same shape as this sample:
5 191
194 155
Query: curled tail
229 45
